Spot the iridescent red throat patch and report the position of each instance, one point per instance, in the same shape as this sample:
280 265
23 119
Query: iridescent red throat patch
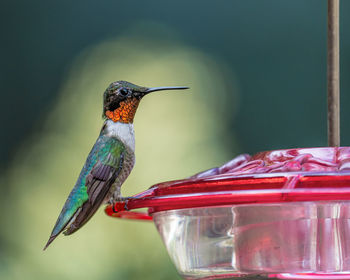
125 112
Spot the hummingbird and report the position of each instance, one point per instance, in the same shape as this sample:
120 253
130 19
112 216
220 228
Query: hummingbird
110 160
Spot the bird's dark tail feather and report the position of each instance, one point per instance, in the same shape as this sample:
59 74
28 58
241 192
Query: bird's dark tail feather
52 238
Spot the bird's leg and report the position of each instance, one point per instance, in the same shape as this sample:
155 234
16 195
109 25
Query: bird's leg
117 197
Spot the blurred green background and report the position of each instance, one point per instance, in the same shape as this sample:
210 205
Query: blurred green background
257 72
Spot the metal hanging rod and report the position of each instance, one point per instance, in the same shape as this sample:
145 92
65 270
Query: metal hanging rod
333 74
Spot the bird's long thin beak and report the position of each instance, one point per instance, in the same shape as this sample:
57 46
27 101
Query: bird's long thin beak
163 88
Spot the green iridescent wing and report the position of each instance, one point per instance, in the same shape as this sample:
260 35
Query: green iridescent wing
101 169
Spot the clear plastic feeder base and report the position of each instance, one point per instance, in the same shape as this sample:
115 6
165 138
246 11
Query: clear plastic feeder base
276 238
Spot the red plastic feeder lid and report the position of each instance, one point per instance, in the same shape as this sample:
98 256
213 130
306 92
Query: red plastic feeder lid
306 174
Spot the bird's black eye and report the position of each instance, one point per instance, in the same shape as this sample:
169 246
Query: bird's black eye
124 91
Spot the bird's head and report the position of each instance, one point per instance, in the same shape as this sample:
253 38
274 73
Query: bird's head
121 99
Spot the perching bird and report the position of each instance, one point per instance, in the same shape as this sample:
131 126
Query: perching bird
110 161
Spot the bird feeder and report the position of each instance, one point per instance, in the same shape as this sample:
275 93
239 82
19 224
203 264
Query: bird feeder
279 214
283 214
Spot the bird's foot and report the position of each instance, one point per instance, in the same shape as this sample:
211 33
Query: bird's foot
120 199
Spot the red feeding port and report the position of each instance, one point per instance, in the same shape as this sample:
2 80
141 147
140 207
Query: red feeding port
308 174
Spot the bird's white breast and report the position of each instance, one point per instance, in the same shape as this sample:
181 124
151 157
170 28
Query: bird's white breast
123 131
